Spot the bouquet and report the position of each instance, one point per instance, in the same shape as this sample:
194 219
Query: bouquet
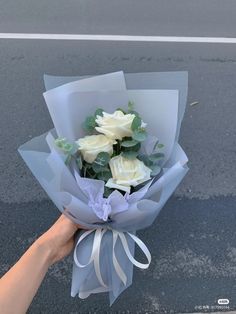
110 165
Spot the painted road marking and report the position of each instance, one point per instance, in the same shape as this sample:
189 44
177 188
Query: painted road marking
90 37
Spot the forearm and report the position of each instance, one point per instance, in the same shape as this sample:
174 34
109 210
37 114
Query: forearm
19 285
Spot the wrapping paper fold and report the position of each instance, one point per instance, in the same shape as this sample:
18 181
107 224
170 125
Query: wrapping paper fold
104 256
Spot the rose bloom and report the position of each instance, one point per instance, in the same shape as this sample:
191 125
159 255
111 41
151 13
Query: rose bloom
90 146
116 125
127 173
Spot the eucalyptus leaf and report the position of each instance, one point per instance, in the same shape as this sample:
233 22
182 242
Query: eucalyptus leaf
145 159
98 168
89 124
107 191
67 147
79 162
99 112
155 170
88 172
139 135
104 175
137 147
156 157
135 113
102 159
68 160
59 142
130 106
136 123
129 143
120 109
130 154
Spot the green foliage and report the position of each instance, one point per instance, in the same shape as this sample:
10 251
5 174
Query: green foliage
153 162
130 106
98 168
155 170
70 150
107 191
136 148
140 135
156 157
59 142
89 124
68 160
135 113
128 147
79 162
129 143
87 171
67 147
120 109
100 164
136 124
145 159
99 112
104 175
129 154
102 159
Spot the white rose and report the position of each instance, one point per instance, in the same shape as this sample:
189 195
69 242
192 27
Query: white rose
116 125
90 146
127 172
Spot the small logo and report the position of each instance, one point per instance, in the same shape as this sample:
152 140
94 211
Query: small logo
223 301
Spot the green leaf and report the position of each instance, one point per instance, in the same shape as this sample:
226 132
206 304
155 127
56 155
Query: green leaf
68 159
89 124
107 191
88 171
130 106
130 143
91 121
160 145
137 147
59 142
145 159
98 168
67 147
99 112
120 109
102 159
136 123
104 175
79 162
140 135
130 154
135 113
155 170
156 157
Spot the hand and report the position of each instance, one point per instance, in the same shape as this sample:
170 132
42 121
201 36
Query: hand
19 285
59 239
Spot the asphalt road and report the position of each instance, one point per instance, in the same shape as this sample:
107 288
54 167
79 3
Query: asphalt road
193 242
134 17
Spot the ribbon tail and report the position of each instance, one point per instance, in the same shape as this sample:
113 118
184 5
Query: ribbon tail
116 264
95 254
141 245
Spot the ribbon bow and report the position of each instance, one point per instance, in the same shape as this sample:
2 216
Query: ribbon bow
95 254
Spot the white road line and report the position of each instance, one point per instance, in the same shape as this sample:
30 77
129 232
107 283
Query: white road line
90 37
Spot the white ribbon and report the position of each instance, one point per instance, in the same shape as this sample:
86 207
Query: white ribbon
95 254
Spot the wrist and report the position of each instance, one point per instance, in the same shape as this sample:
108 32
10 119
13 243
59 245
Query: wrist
45 250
